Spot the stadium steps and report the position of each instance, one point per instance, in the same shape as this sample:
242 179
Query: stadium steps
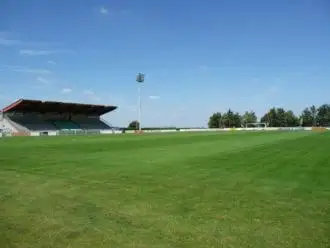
16 127
107 123
92 124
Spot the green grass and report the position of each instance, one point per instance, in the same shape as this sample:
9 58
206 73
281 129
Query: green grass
171 190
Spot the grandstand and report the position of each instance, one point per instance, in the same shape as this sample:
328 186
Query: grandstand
47 117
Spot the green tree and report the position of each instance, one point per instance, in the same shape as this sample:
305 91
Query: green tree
323 115
291 120
215 120
270 118
248 117
307 118
231 119
314 111
227 119
134 125
278 117
266 119
237 120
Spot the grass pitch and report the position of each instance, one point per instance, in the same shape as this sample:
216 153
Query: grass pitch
171 190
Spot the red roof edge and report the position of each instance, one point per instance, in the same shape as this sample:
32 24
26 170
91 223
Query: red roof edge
11 106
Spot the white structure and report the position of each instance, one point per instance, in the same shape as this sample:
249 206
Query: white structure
32 117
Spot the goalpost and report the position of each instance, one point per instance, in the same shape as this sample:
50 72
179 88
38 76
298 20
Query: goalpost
256 124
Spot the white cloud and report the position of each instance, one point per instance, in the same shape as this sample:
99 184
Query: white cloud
88 92
11 39
154 97
9 42
51 62
43 80
91 96
35 71
66 91
26 70
104 11
30 52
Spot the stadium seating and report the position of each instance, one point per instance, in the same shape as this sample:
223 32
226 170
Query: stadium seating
91 123
66 125
33 122
36 123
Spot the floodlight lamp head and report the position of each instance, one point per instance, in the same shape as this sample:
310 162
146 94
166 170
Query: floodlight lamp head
140 78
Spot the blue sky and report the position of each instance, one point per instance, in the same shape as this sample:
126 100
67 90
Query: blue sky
199 56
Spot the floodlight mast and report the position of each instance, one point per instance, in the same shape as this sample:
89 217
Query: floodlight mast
140 81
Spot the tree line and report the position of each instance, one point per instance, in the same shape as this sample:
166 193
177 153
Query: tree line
275 117
134 125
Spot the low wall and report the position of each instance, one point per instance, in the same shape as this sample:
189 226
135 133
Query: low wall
221 129
34 134
112 132
247 129
20 134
